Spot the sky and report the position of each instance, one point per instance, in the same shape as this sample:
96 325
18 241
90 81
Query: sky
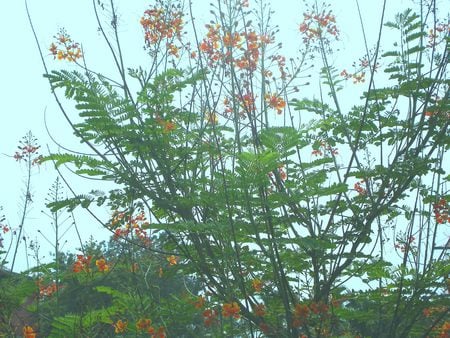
25 94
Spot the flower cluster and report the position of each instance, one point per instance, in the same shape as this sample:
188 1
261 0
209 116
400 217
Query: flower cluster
65 48
124 225
82 264
241 49
102 265
173 260
437 34
28 332
359 77
317 25
120 326
281 63
323 148
167 126
209 317
441 211
359 188
160 24
46 290
231 310
4 228
257 284
145 325
28 152
246 102
275 102
303 312
444 331
403 245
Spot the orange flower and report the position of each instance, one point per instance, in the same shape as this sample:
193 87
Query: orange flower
120 326
143 324
231 40
161 333
169 126
275 102
172 260
101 265
65 48
82 264
445 330
231 310
173 50
257 284
28 332
209 317
248 102
301 311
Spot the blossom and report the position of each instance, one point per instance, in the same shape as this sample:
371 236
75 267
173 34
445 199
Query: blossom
301 314
143 324
168 126
65 48
359 189
101 265
82 264
159 24
445 330
120 326
257 284
173 50
231 310
161 333
318 308
28 332
316 25
172 260
46 290
248 103
209 317
441 211
275 102
4 228
301 310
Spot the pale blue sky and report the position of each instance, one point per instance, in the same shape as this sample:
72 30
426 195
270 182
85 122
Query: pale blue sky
25 94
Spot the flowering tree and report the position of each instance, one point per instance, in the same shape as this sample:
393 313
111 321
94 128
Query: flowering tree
275 202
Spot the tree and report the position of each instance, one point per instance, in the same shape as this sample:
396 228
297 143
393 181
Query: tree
274 202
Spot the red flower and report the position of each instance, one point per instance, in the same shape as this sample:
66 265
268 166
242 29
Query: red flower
82 264
231 310
28 332
209 317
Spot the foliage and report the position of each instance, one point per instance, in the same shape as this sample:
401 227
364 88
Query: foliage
249 209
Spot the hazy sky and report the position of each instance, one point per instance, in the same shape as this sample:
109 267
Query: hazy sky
25 94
